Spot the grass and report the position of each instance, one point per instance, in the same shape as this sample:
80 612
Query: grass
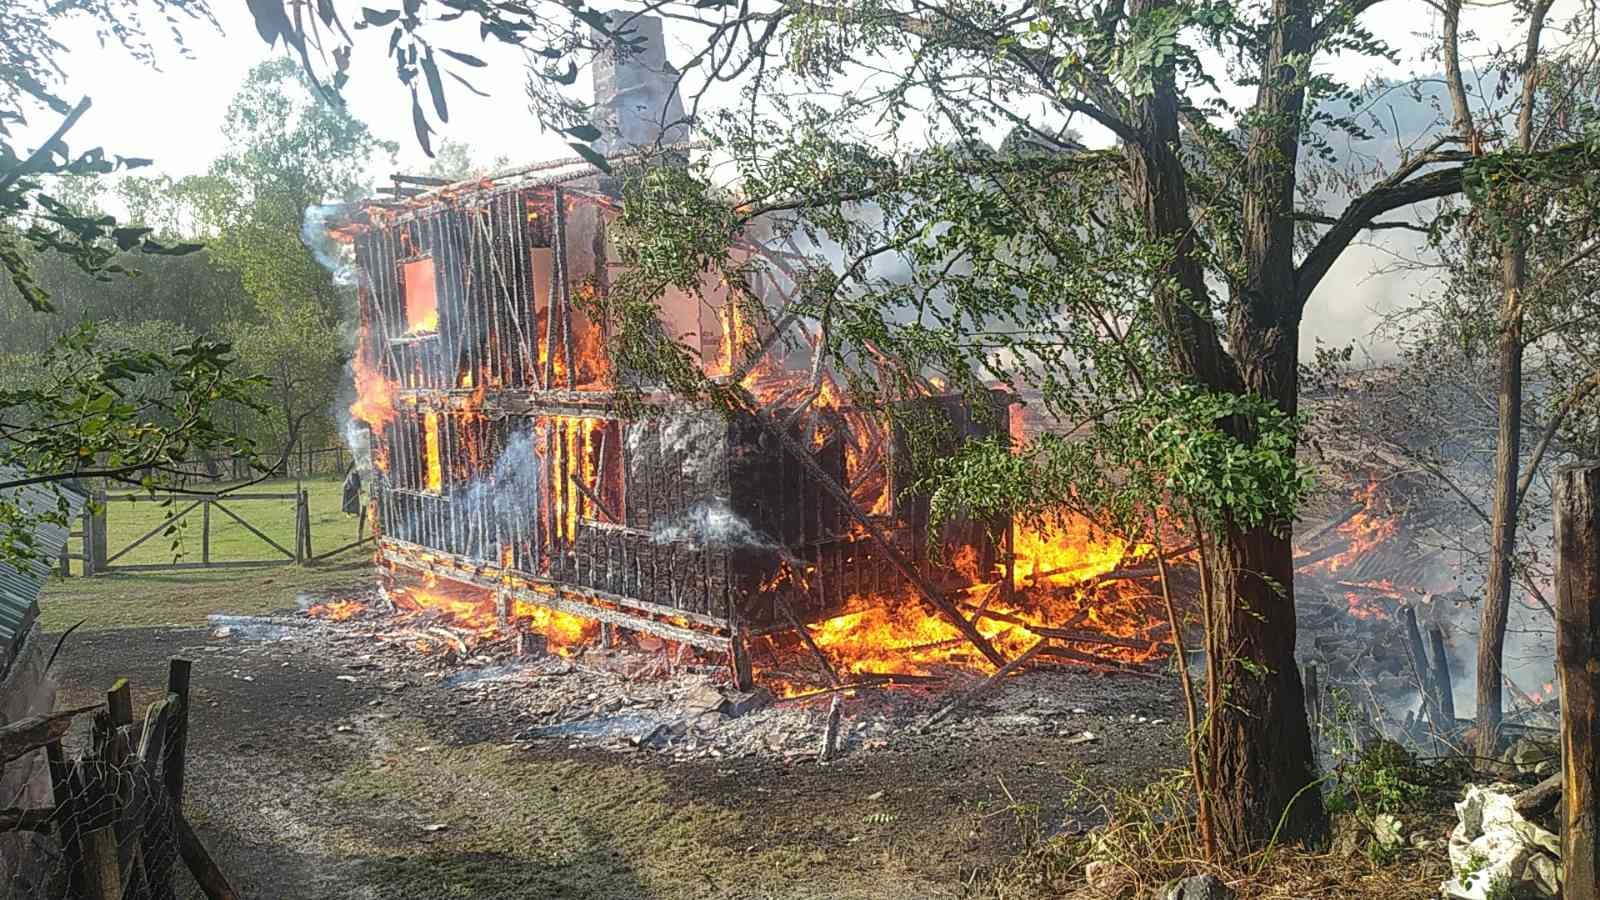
184 599
1149 840
127 521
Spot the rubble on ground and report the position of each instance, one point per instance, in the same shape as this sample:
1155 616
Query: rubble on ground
630 700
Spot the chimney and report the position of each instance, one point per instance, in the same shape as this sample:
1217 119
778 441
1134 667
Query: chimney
635 92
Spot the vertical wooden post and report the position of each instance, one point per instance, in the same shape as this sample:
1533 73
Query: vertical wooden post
1419 667
1313 688
302 524
305 520
178 670
205 531
1441 677
1578 672
94 536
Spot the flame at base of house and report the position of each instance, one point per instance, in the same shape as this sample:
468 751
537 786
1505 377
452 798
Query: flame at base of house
1080 598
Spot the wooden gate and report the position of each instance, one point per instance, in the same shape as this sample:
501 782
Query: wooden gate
186 504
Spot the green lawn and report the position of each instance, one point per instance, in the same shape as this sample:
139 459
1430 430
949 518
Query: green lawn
151 599
186 597
128 520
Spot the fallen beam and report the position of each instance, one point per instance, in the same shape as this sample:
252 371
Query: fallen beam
1000 674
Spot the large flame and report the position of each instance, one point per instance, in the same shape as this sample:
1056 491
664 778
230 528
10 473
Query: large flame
1365 530
905 635
473 609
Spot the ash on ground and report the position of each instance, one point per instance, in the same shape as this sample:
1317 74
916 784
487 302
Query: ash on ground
643 701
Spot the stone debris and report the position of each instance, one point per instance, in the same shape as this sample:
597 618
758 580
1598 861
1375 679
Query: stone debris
1495 852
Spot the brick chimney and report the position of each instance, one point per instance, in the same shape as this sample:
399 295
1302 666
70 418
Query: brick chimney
635 93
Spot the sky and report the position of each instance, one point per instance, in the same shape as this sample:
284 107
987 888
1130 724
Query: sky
174 114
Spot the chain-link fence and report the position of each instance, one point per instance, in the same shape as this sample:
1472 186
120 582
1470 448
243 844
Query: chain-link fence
110 826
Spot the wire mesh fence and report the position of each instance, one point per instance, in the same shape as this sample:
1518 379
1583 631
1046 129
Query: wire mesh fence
112 828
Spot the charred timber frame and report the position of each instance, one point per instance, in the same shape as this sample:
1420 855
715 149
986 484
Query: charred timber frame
500 365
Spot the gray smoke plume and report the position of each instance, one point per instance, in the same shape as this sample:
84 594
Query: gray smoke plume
710 523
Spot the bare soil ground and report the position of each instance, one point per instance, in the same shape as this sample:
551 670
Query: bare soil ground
311 779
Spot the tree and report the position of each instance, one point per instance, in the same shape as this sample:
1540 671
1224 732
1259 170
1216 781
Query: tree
1518 211
828 98
97 415
292 152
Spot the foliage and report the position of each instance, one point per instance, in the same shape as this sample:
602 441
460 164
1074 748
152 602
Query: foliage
89 409
1385 779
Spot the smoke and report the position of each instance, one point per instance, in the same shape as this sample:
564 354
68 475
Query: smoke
506 501
316 234
337 257
710 523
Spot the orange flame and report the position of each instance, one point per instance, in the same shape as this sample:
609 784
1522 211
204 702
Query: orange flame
903 635
430 451
336 610
1365 530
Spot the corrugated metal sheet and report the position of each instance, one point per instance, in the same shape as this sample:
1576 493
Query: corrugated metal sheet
20 585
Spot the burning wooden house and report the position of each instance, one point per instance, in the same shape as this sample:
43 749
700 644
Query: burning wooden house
505 464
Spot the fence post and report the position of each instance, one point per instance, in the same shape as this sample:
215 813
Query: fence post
94 536
302 528
1577 649
205 531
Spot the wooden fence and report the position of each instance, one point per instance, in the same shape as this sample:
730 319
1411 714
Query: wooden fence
98 556
116 828
307 462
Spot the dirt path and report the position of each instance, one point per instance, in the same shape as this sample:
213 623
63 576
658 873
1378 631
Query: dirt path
310 779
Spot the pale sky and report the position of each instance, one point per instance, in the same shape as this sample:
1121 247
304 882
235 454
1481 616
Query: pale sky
174 115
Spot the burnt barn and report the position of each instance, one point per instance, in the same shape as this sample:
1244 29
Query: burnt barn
505 465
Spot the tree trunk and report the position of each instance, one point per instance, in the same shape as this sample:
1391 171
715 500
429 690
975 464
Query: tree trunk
1258 755
1496 607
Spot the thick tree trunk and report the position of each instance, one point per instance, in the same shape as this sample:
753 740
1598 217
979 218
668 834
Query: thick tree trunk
1260 763
1258 756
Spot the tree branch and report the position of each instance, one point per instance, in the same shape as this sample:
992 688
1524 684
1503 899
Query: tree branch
1395 192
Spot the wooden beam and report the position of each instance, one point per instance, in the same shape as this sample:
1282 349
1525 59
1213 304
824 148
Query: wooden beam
988 683
1577 529
26 735
212 882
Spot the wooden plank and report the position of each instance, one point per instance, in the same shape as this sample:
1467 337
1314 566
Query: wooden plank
70 809
26 735
27 819
177 566
206 873
119 701
103 873
1577 516
163 497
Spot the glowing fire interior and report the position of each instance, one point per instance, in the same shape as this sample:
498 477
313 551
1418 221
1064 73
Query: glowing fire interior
422 298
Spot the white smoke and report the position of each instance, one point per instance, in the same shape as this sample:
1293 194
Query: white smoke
711 523
332 255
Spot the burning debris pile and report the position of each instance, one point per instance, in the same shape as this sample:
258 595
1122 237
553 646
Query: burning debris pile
618 699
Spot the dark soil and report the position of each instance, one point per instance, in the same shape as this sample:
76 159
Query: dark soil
308 785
